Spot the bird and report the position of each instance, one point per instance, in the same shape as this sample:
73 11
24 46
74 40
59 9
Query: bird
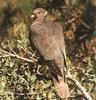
47 38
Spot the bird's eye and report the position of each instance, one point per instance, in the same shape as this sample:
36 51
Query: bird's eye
38 12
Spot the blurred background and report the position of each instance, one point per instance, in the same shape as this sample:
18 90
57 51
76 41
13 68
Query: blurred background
21 80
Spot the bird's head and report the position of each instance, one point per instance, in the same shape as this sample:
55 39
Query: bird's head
39 13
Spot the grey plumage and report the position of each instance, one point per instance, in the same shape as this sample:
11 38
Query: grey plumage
47 37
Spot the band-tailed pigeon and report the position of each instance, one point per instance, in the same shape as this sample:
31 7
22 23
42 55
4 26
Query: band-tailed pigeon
47 37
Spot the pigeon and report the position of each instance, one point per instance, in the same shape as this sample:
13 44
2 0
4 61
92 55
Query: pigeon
47 38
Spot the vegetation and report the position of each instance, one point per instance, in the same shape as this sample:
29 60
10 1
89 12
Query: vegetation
22 77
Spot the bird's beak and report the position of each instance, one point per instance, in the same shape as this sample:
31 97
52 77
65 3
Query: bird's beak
32 16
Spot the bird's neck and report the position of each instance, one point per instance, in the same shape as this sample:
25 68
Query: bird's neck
38 21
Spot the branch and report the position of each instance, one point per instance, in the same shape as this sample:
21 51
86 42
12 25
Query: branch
7 54
81 88
84 24
81 21
70 21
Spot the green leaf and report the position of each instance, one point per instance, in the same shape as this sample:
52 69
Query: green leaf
33 78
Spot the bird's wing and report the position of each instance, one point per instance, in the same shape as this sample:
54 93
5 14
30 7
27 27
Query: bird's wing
59 37
47 46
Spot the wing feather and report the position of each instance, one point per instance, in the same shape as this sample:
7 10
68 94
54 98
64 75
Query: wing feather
45 40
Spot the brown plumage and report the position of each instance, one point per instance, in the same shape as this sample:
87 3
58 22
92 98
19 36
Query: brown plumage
47 37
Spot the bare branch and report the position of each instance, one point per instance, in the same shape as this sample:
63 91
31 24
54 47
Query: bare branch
81 88
70 21
84 24
17 56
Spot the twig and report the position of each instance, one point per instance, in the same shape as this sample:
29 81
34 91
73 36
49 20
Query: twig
84 24
30 54
81 88
81 21
4 56
18 57
70 21
82 37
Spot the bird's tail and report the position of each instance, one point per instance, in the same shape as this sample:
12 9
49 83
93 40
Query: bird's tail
61 86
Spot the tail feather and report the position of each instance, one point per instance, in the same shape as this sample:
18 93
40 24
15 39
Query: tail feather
62 88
